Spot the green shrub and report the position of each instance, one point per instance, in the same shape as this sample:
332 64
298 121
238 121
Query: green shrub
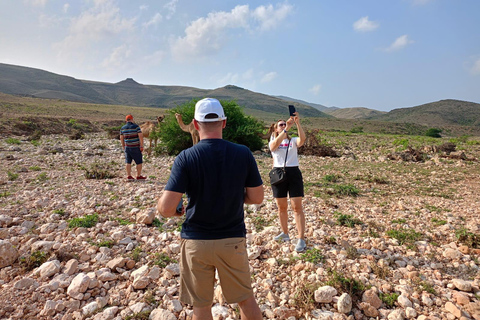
59 211
34 260
356 130
240 128
389 298
313 255
404 236
304 297
86 222
434 133
438 222
42 176
346 190
402 143
344 285
330 178
105 243
12 176
346 219
35 168
98 171
162 260
136 254
13 141
260 222
468 238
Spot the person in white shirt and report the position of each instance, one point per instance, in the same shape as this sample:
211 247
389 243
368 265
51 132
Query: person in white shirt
293 185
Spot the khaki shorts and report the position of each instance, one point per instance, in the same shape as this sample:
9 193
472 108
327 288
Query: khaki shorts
198 262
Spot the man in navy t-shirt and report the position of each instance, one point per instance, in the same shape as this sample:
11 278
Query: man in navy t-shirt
218 177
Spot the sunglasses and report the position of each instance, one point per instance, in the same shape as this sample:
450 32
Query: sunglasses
282 124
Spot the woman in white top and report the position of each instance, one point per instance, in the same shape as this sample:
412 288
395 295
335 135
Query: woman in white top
293 186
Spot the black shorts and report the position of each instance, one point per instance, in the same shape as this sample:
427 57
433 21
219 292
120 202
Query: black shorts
293 185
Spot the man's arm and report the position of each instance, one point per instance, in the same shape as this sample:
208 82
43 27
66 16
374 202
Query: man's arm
140 137
167 204
254 195
122 140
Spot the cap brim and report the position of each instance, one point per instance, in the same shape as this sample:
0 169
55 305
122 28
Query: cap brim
212 120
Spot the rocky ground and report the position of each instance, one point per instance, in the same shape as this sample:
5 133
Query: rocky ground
387 239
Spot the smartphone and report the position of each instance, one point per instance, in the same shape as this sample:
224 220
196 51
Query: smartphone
291 109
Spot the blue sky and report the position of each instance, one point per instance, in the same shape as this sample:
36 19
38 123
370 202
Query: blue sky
379 54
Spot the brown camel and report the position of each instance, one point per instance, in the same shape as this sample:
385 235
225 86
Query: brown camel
190 128
147 128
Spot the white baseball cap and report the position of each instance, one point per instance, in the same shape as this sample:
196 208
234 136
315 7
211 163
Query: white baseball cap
209 110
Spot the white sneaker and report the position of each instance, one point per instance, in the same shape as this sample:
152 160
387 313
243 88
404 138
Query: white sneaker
301 245
283 237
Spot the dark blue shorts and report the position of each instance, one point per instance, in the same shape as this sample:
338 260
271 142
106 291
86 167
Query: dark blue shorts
133 154
292 186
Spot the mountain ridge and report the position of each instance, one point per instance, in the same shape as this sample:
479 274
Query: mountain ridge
18 80
31 82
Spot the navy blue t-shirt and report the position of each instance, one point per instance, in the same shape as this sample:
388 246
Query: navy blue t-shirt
214 174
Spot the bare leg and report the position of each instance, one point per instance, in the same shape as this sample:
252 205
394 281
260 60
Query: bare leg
249 309
299 216
203 313
282 205
139 170
128 167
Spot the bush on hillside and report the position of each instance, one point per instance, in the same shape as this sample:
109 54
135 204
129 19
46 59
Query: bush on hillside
241 129
433 132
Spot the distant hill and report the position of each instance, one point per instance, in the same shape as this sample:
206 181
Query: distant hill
24 81
436 114
313 105
354 113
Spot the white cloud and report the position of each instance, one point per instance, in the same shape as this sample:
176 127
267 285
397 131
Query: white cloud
269 77
102 22
207 36
269 17
171 8
117 58
156 19
399 43
476 67
365 25
66 6
315 89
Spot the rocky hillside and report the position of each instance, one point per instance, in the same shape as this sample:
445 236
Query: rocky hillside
437 114
354 113
387 239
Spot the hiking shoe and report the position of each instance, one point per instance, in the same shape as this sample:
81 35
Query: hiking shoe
301 245
141 178
283 237
130 178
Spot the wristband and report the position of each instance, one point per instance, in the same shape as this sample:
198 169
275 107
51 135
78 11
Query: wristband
285 131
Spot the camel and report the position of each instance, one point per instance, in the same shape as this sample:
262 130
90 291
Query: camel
190 128
147 128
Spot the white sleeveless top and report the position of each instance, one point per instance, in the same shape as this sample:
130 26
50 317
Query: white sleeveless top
279 154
